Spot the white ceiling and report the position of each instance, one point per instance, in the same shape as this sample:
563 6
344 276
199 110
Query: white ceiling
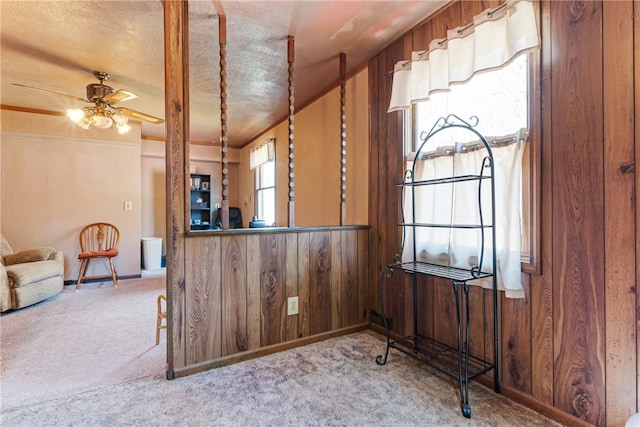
56 45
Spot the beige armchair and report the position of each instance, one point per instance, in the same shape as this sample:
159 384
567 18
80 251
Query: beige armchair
29 276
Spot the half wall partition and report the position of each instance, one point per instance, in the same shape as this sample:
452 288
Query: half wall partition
227 290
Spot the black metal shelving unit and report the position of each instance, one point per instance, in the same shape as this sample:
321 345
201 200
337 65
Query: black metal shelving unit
200 202
457 362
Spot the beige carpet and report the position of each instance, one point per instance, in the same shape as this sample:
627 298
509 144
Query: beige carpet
331 383
79 341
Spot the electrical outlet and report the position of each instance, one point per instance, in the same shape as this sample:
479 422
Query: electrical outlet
217 205
128 206
292 306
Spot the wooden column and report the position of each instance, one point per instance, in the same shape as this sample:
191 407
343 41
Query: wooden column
636 71
578 210
291 59
224 139
176 75
620 313
343 139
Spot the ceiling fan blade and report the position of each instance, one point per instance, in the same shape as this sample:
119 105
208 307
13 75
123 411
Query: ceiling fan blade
77 98
119 96
141 116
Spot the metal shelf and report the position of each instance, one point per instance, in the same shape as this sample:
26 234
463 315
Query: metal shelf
424 224
441 357
445 180
457 361
460 275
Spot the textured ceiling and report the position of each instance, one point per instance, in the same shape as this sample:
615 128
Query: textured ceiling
56 45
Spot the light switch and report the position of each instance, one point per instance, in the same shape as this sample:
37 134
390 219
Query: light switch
292 306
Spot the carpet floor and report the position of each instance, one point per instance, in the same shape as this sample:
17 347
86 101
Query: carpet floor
330 383
79 341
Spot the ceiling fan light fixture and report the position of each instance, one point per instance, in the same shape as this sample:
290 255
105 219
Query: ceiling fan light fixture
100 121
84 123
102 118
120 119
102 114
123 128
75 114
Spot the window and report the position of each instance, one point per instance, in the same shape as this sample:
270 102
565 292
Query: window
500 99
480 70
265 196
262 162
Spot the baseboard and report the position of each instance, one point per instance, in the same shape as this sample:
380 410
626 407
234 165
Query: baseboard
552 412
73 282
263 351
381 330
513 394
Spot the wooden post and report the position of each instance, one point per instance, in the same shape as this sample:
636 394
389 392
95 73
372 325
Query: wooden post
291 59
224 139
176 78
343 139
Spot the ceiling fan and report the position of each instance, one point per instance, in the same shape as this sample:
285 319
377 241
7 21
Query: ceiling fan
102 113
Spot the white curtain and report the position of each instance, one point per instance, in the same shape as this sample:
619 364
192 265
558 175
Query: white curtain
457 204
494 39
261 154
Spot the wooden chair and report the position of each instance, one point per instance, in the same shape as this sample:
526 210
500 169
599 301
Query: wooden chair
162 314
98 241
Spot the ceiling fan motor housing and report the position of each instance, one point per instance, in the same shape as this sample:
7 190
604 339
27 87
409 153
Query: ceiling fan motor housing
96 91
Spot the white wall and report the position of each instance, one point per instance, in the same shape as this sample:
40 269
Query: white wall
56 178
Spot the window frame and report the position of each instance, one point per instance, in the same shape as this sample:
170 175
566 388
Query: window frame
531 169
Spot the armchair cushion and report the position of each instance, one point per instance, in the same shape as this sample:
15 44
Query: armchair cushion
29 255
26 274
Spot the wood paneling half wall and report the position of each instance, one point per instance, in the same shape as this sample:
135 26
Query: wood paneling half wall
236 287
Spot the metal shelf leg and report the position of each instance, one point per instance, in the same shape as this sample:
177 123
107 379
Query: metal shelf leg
380 359
463 371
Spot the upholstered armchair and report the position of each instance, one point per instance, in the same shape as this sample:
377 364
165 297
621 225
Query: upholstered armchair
29 276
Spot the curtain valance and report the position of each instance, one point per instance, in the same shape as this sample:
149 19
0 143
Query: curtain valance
261 154
493 40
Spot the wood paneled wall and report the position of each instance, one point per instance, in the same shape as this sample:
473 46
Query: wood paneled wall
571 347
237 284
